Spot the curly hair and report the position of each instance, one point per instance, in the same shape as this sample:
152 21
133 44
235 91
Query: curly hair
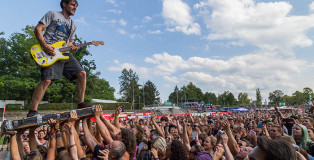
129 141
178 152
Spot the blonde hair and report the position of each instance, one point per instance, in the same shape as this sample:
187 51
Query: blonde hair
160 143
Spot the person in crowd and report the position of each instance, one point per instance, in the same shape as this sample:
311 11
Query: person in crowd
311 133
301 137
267 149
308 122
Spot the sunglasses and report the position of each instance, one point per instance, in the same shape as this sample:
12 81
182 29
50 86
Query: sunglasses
240 144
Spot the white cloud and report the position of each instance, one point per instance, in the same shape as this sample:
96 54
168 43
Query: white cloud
266 70
312 6
123 22
154 32
266 25
141 71
111 1
121 31
81 20
138 26
105 20
116 61
178 17
114 11
172 79
147 19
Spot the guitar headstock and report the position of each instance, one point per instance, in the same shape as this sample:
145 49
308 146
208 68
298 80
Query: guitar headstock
96 43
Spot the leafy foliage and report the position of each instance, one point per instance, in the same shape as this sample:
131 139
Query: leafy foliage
151 93
129 87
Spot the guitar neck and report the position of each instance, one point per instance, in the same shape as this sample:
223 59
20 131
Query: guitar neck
78 46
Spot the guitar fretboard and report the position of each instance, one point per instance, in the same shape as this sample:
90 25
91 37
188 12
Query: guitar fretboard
78 46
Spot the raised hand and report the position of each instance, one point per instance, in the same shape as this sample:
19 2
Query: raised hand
136 119
224 138
57 125
105 154
153 115
118 111
155 153
73 116
98 111
226 125
219 152
188 112
68 128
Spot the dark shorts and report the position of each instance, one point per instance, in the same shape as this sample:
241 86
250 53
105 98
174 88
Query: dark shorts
96 151
68 68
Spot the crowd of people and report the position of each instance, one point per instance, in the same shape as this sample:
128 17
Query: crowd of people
237 136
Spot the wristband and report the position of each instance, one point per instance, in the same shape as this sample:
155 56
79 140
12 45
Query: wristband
197 141
58 135
117 116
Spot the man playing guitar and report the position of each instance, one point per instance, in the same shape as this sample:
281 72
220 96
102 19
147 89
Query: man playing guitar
59 27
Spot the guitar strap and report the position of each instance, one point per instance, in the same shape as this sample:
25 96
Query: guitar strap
70 29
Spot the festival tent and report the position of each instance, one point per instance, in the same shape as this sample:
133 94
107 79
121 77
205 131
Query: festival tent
240 110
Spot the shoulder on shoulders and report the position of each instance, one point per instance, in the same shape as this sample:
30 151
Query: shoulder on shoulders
53 12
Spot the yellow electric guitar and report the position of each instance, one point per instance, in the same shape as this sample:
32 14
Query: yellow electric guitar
45 60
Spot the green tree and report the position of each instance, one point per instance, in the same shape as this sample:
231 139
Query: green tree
275 97
227 98
299 98
258 97
308 91
193 92
151 93
175 96
243 99
129 87
210 98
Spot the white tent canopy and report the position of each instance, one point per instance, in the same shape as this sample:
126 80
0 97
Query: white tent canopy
103 101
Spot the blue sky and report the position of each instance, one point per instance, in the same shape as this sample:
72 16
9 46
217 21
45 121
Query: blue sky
219 45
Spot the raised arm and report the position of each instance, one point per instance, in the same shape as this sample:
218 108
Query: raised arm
232 143
51 154
73 117
189 115
69 128
228 153
159 131
14 148
186 141
116 117
20 143
278 112
104 132
113 130
32 140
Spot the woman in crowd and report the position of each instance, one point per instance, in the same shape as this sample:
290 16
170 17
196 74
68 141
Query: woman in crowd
301 137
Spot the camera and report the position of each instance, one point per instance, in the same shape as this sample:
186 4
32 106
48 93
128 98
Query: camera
221 132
